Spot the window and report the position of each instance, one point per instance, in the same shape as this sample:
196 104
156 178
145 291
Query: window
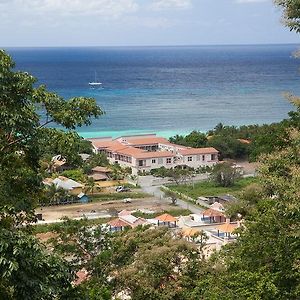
198 157
213 157
160 161
190 158
169 160
203 157
154 161
141 163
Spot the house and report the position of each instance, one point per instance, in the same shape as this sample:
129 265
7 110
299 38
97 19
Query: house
100 173
61 182
143 153
83 198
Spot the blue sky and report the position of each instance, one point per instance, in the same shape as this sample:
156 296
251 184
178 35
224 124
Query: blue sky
140 22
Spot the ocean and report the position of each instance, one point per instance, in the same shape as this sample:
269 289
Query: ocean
170 90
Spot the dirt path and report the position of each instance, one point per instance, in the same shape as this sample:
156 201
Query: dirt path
99 209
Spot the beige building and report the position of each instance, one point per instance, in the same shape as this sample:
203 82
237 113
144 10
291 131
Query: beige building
146 152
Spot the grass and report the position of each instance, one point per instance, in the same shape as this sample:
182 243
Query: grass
208 188
117 196
173 212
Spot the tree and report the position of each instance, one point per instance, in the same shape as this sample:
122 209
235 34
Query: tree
172 195
23 131
291 14
90 185
27 270
224 174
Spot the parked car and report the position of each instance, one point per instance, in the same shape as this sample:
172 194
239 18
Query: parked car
127 200
120 189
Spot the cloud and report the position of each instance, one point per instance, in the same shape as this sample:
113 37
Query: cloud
170 4
107 8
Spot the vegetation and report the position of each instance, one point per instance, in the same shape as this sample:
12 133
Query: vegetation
117 196
209 188
174 212
225 174
245 141
144 263
176 174
27 270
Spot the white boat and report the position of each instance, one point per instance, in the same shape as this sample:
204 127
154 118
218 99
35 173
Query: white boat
95 83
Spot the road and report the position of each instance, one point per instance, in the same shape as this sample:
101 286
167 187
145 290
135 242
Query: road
155 190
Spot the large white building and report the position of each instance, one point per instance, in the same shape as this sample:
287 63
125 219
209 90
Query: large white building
146 152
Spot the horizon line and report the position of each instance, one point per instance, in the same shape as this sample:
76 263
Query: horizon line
156 46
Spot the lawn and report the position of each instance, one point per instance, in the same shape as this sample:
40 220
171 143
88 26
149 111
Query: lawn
117 196
208 188
174 212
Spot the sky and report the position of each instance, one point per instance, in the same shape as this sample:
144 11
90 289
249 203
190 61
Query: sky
43 23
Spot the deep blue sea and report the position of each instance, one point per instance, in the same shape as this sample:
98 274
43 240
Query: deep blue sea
170 90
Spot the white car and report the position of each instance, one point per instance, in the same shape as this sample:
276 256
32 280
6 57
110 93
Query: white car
127 200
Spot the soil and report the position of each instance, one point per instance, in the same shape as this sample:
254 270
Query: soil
99 209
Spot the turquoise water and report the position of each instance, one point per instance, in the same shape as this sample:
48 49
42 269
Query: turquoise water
170 90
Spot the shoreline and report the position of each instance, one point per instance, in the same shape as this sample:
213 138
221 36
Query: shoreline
118 133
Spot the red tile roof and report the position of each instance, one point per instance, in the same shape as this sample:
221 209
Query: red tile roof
194 151
156 154
101 169
227 227
166 218
117 223
212 213
139 141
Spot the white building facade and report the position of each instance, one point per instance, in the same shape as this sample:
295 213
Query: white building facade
143 153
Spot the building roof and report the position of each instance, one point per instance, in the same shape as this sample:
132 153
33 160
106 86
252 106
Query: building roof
143 154
195 151
227 227
212 213
118 223
166 218
101 169
217 206
124 212
129 218
82 275
150 140
66 183
97 177
155 154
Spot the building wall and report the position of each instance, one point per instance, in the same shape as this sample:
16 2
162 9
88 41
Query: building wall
155 163
196 161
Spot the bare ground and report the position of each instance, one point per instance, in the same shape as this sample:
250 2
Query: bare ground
101 209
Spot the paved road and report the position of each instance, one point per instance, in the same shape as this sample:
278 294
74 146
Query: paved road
146 186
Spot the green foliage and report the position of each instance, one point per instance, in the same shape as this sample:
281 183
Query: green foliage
27 270
176 174
174 212
291 15
228 146
225 174
23 134
195 139
67 144
117 196
95 160
76 175
208 188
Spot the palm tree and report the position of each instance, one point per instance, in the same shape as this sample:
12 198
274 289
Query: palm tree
89 185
